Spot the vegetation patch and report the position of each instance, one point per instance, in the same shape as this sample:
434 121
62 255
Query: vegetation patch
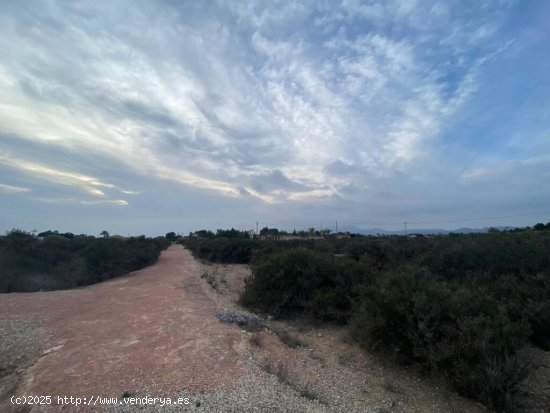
256 339
461 306
280 370
287 338
58 261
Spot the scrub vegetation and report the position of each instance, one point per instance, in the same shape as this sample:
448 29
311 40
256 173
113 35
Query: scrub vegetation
463 306
56 261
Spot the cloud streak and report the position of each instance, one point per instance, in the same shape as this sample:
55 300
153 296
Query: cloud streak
11 189
85 184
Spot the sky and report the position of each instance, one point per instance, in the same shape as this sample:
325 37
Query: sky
143 117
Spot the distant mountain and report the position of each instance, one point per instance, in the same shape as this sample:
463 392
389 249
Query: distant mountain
423 231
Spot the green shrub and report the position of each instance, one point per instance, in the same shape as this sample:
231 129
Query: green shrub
28 263
298 281
538 313
462 305
461 331
329 304
282 284
222 250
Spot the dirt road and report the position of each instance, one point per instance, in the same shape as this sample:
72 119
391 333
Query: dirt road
153 331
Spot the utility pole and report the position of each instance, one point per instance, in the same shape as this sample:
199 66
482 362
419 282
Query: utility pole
406 233
337 227
256 227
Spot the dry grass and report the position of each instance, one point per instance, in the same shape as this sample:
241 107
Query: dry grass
317 357
279 369
210 279
289 339
214 277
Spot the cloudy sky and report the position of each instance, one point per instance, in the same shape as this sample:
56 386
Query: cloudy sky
152 116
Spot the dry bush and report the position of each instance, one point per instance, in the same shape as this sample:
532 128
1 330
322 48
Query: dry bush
289 339
212 278
317 357
254 324
256 339
280 370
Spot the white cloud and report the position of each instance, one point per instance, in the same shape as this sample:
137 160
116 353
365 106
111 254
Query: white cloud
474 174
286 102
248 100
87 184
120 202
11 189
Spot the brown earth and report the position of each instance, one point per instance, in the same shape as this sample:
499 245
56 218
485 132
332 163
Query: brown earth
155 332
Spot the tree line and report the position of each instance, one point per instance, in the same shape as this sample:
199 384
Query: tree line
53 261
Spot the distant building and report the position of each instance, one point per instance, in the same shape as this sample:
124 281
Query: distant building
290 237
342 236
116 236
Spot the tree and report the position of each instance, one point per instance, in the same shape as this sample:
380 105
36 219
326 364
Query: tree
204 233
104 234
171 236
230 233
269 231
47 233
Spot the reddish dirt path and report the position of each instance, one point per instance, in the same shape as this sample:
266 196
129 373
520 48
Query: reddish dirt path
152 332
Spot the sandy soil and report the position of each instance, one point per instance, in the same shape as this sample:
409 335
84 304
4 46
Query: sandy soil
155 332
